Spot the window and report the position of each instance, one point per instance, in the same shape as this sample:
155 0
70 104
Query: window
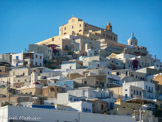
102 106
126 95
125 89
40 57
35 56
52 89
17 57
137 92
64 28
117 73
85 82
72 26
35 63
126 73
140 93
80 25
134 91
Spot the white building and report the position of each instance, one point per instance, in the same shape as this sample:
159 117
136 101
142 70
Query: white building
81 106
21 114
132 41
70 65
66 98
5 57
89 93
148 88
27 59
96 64
43 49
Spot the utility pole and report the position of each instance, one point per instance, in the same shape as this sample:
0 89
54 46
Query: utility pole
8 90
141 110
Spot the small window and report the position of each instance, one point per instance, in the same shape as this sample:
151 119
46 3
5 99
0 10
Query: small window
85 82
52 89
102 106
35 56
137 92
17 57
40 57
140 93
117 73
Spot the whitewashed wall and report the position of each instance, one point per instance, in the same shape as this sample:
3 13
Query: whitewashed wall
50 115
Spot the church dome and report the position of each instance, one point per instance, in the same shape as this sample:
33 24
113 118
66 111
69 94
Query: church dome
132 40
133 37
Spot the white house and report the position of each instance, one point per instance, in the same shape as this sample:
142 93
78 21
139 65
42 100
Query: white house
70 65
27 59
13 113
96 64
89 93
81 106
148 88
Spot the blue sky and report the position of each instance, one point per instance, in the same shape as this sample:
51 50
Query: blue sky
24 22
